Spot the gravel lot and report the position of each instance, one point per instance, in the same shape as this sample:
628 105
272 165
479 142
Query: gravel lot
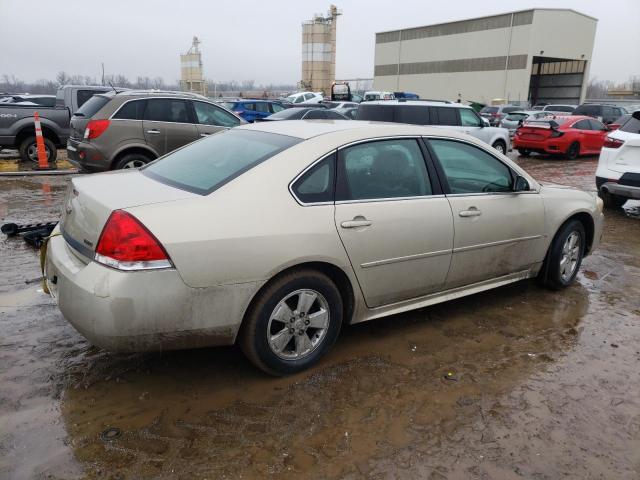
544 385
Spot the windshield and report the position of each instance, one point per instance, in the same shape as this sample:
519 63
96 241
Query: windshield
91 106
204 166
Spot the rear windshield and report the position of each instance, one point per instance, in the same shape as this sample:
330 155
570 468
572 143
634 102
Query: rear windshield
559 108
632 125
290 114
510 109
516 116
589 110
91 106
489 110
206 165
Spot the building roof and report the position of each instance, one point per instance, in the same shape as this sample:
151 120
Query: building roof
491 16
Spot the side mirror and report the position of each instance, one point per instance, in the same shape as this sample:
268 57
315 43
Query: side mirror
485 122
521 184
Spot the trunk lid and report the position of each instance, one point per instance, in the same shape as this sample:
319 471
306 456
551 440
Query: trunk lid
90 200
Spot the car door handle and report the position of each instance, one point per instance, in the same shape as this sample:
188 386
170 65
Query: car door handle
356 222
472 212
205 134
153 132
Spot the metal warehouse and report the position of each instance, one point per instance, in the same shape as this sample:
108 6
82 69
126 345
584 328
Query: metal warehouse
539 55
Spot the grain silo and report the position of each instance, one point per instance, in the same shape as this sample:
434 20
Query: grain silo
319 52
191 76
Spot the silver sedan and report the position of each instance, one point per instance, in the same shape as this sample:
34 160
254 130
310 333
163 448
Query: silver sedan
274 235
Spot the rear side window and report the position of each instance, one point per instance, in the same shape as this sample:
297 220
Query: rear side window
596 125
590 110
275 107
632 125
333 115
375 113
132 110
167 110
415 115
582 125
446 116
208 114
317 184
262 107
91 106
510 109
290 114
315 115
383 169
204 166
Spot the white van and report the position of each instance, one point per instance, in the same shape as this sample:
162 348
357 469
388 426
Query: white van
375 95
305 97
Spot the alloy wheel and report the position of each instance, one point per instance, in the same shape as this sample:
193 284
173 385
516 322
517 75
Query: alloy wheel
32 152
298 324
134 164
571 251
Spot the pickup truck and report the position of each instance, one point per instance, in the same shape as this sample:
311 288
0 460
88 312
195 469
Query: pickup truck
17 128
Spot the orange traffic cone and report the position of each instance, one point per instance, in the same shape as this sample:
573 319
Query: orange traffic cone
43 162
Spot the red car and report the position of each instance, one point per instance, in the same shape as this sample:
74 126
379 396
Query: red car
567 136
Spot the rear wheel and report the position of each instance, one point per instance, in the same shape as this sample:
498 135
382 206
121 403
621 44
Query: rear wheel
573 151
293 322
610 200
565 256
132 160
500 146
524 152
29 150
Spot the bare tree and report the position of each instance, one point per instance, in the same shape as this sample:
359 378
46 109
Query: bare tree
62 78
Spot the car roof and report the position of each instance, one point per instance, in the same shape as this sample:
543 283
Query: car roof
419 103
305 129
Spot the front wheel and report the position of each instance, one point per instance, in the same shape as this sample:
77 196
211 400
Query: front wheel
565 256
500 146
292 323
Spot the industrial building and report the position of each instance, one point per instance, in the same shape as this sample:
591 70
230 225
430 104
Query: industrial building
191 76
529 56
319 52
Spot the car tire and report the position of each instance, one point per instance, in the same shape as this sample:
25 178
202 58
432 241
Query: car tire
132 160
279 348
610 200
523 152
573 151
564 256
500 146
29 150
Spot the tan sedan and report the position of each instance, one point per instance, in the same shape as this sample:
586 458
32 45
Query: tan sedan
275 234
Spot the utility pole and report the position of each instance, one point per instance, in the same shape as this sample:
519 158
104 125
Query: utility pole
103 74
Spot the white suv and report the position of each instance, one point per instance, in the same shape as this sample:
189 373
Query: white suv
453 116
618 174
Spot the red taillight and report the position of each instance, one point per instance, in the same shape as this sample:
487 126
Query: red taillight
612 142
95 128
127 245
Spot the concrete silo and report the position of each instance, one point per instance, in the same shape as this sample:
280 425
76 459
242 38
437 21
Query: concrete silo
319 52
191 76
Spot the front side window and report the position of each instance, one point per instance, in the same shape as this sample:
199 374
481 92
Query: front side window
204 166
468 118
208 114
275 107
382 169
132 110
469 169
167 110
317 184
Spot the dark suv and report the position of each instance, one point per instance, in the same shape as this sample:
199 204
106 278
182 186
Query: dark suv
605 113
129 129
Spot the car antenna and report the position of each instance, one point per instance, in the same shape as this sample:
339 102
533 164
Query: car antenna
114 88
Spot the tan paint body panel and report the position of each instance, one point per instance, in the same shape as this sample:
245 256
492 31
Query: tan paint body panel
227 245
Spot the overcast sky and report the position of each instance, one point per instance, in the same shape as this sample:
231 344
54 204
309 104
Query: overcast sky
255 39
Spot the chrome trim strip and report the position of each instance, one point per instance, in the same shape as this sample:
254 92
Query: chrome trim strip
375 139
139 99
405 259
497 243
393 199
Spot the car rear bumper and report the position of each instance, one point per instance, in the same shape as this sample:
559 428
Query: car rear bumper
626 191
546 146
85 155
141 311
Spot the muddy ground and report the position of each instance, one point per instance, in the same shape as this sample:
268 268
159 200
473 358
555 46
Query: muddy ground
542 385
